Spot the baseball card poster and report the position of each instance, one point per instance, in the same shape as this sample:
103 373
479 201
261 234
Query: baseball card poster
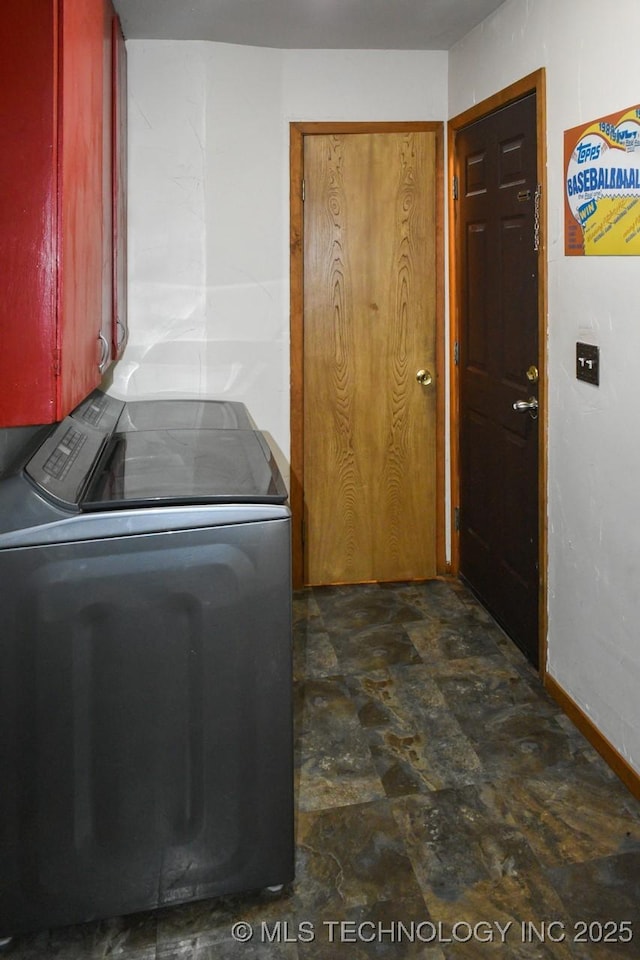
602 186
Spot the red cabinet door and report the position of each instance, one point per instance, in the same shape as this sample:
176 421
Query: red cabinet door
119 142
56 229
83 294
28 212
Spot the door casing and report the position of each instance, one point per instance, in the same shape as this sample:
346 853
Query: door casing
533 83
298 131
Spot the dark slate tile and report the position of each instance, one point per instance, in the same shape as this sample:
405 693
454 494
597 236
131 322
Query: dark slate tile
416 743
404 695
452 638
31 947
460 837
523 744
332 758
480 879
304 608
416 763
581 749
388 930
354 608
438 599
513 919
469 601
350 857
573 814
483 691
374 648
208 922
254 949
132 937
602 897
313 655
180 950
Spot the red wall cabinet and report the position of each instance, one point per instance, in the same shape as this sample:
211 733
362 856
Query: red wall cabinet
59 103
119 161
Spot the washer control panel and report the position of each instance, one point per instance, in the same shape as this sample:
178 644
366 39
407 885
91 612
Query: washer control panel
65 461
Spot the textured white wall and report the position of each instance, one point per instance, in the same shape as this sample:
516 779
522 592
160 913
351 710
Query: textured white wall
372 85
167 228
594 454
209 205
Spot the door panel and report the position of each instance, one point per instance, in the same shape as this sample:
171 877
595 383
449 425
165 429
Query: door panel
85 282
369 326
498 344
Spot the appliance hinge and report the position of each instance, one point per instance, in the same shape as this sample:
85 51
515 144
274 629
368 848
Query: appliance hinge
456 352
455 187
302 191
456 519
57 361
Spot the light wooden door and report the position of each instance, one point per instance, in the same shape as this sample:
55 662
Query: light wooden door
369 327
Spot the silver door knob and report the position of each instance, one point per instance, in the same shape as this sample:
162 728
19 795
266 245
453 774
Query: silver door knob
424 377
526 406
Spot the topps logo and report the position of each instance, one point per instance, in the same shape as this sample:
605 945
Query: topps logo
588 151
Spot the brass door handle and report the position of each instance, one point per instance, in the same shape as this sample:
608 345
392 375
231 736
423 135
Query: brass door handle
424 377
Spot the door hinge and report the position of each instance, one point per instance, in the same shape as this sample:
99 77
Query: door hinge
455 188
456 352
302 191
456 519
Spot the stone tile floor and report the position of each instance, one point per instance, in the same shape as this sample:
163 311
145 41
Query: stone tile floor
446 808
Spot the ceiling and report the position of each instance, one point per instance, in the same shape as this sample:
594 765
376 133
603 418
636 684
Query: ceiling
310 24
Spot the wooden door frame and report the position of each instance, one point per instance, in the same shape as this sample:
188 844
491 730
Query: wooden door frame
297 132
533 83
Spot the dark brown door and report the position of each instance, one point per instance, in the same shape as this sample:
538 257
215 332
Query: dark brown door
498 367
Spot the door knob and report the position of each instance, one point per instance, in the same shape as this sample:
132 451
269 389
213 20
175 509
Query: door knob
424 377
527 406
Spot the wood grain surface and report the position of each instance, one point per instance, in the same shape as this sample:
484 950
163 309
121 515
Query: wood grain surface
369 325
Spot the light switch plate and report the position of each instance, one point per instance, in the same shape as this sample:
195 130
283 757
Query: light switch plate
588 363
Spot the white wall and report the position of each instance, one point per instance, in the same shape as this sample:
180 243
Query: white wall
167 228
594 453
209 205
365 85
